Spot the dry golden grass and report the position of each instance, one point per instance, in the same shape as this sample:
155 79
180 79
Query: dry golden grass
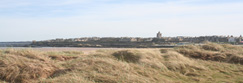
63 55
127 56
24 66
215 52
210 63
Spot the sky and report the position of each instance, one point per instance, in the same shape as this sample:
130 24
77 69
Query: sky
27 20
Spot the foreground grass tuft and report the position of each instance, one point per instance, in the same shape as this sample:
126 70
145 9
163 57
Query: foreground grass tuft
24 66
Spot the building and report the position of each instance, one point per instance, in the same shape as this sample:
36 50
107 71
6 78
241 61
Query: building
148 39
240 39
231 39
159 35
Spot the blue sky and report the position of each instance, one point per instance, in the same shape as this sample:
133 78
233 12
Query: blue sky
26 20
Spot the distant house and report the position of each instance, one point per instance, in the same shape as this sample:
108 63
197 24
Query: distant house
83 39
148 39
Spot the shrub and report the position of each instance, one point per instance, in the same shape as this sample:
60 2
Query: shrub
127 56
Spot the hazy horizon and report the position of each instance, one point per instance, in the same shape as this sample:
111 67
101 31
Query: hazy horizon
27 20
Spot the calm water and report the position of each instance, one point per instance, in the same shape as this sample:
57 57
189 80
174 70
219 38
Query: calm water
62 48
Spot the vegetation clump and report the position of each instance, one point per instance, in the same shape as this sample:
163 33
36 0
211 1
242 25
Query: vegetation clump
212 47
127 56
24 66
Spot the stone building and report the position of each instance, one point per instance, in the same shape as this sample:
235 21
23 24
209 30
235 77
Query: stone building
231 39
159 35
240 39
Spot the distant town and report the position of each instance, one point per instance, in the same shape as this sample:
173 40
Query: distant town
136 42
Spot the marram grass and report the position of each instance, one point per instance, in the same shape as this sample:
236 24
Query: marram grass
210 63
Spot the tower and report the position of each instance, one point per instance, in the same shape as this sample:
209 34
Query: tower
159 35
231 39
240 38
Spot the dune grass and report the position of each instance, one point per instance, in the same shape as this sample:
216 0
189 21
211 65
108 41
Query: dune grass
215 52
209 63
21 66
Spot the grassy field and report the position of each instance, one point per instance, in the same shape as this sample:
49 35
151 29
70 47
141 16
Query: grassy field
209 63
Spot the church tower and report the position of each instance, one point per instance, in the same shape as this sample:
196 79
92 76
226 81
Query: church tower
159 35
240 38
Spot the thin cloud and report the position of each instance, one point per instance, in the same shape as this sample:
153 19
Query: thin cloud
49 19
